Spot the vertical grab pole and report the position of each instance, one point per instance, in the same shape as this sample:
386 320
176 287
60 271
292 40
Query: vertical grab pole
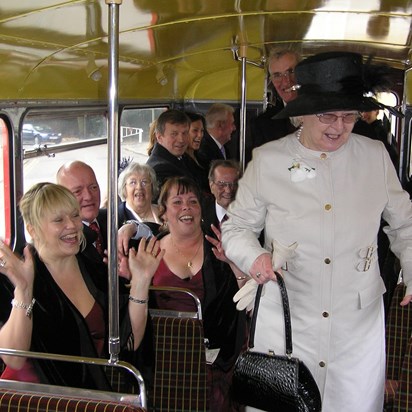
242 131
112 160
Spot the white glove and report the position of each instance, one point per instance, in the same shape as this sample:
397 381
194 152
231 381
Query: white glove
245 296
282 253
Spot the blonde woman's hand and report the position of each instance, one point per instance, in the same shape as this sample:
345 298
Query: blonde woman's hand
20 271
144 262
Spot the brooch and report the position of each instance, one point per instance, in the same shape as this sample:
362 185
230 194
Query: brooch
300 171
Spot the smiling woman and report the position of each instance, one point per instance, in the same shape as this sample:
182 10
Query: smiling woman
67 293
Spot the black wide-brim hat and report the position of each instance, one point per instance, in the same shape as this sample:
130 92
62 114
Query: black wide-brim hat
335 81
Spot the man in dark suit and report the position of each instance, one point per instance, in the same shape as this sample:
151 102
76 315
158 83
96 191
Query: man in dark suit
168 156
281 66
220 125
81 180
223 181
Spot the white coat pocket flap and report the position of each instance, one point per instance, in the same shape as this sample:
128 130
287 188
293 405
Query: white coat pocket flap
371 293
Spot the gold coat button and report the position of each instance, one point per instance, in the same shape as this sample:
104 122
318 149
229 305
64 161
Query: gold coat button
328 206
323 156
327 261
325 314
322 364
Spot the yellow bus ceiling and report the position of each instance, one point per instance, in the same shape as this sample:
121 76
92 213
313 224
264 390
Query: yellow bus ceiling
182 49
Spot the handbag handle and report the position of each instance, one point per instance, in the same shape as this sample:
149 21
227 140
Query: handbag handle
286 315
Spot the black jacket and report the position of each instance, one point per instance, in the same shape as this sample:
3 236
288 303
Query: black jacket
167 165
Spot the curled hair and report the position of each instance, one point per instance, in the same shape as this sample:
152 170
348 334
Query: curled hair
43 198
140 169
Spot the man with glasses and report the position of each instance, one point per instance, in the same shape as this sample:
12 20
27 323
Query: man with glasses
223 180
281 68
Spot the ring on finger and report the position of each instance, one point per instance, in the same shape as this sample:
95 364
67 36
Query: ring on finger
2 263
258 275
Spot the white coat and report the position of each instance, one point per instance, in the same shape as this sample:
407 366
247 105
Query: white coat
335 291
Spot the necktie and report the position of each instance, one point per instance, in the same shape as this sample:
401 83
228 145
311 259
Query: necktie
98 243
222 149
224 218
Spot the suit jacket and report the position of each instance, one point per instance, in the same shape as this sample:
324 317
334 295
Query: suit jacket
265 129
209 215
209 151
167 165
90 251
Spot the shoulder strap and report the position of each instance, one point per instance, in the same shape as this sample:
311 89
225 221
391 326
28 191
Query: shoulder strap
286 314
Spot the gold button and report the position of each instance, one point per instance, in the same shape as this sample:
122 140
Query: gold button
322 364
327 261
325 314
328 206
323 156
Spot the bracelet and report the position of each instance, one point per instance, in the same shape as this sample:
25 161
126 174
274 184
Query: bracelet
242 277
140 301
28 307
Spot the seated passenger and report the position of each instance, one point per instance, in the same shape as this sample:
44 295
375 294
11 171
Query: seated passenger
137 186
59 300
190 263
81 180
168 157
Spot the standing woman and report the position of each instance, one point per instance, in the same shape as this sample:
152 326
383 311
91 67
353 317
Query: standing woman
325 189
59 299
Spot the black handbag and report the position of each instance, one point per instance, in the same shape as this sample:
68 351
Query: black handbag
275 382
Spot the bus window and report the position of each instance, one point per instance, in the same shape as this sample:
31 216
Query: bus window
51 138
134 132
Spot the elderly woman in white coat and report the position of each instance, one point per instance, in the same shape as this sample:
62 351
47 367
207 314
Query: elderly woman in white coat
320 195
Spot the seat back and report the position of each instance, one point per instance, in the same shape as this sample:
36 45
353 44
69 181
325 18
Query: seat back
403 396
180 379
398 332
31 397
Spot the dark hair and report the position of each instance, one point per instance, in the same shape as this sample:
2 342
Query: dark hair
194 117
184 185
171 116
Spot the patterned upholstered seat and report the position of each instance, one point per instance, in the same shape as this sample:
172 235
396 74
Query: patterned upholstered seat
29 397
180 382
398 354
38 397
16 401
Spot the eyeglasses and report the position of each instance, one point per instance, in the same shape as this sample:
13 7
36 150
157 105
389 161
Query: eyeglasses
330 118
143 182
222 185
278 76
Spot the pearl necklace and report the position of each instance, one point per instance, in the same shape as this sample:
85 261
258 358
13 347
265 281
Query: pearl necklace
189 263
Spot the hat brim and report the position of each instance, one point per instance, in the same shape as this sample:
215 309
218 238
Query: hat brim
321 103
